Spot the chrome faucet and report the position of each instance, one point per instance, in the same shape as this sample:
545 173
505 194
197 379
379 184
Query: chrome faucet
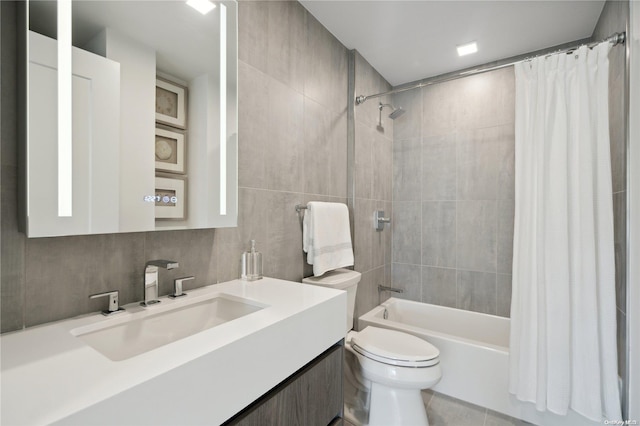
151 279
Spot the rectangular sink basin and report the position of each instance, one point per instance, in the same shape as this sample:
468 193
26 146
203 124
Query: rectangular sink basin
139 335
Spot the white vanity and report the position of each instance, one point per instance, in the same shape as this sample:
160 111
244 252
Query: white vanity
199 359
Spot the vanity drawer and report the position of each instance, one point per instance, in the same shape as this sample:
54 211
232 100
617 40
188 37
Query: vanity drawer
311 396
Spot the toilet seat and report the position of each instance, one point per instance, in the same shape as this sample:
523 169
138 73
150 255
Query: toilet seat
394 348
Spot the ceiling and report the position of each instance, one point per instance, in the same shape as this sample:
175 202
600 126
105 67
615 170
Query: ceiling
412 40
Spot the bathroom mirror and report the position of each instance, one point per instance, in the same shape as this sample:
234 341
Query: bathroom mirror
131 116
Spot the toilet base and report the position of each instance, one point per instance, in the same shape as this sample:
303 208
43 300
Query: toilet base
392 406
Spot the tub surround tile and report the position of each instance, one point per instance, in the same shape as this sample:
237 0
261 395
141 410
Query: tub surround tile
364 161
467 127
439 286
439 157
407 170
474 112
503 289
506 211
477 291
476 235
406 225
382 156
407 278
408 125
441 108
363 227
483 157
439 233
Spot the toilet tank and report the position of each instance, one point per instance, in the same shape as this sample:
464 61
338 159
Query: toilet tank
340 279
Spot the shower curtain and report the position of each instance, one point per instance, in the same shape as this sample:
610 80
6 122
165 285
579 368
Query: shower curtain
563 314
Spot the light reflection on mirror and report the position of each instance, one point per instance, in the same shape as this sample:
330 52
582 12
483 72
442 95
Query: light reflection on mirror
140 49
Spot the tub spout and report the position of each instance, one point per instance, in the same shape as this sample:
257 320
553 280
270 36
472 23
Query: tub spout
382 288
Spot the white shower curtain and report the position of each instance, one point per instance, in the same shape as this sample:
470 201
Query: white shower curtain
563 311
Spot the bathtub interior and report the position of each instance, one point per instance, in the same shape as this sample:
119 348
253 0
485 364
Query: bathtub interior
472 327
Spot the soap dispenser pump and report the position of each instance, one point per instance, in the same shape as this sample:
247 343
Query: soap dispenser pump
252 264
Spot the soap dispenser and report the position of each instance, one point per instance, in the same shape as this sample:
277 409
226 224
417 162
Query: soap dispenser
252 264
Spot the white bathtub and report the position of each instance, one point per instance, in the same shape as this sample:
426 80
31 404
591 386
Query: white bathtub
474 355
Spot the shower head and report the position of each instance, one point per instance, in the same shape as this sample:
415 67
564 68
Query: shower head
395 113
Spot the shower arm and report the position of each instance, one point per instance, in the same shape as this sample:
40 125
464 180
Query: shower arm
614 39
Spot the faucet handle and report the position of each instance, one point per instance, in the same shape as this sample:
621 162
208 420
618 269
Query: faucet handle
113 302
178 287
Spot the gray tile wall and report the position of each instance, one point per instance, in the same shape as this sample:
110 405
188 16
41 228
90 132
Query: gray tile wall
453 193
614 19
292 149
373 169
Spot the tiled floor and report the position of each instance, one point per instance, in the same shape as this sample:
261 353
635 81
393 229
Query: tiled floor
443 410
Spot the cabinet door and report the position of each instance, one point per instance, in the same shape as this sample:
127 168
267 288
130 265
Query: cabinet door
311 397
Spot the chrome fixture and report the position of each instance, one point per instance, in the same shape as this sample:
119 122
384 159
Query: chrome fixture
382 288
113 302
395 113
379 220
614 39
151 279
177 287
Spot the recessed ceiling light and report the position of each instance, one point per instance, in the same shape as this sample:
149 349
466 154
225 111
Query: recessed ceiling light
467 49
202 6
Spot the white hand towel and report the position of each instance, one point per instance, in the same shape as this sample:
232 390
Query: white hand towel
326 236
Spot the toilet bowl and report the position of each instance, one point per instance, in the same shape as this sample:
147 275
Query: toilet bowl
385 369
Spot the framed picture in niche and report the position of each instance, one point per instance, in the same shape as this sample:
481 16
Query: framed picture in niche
171 104
170 197
170 151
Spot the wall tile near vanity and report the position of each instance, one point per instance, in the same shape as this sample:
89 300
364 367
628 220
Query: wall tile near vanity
325 150
253 101
193 249
286 37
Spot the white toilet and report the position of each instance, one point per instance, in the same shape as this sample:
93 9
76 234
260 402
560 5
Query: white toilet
385 369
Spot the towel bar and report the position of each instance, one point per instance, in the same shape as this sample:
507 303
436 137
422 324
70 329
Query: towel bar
300 207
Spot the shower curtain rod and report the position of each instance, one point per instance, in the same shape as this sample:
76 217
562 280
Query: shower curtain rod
616 38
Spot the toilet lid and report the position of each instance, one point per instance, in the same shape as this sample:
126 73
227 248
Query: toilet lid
395 348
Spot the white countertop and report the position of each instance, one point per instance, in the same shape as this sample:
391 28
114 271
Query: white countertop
48 375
